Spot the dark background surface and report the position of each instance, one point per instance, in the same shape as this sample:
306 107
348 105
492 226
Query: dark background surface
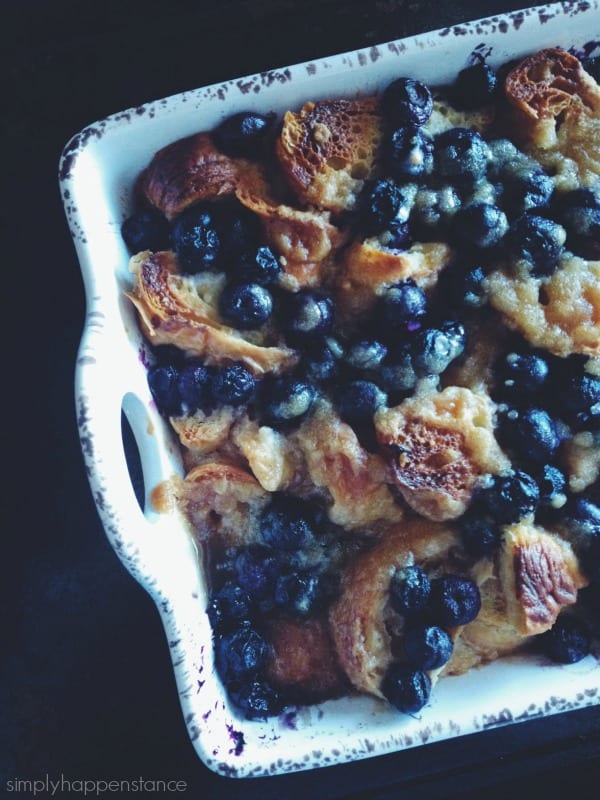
86 685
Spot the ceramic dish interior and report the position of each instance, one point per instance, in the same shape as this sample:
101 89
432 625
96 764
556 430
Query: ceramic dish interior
97 173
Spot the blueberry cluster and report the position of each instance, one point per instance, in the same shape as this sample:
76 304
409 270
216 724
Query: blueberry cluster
487 197
430 609
289 571
183 386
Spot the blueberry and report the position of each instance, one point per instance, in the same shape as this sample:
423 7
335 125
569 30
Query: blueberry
286 400
233 385
454 600
319 362
195 387
580 393
480 535
526 188
433 350
537 241
408 153
244 134
258 266
510 497
521 375
359 400
196 240
245 305
240 654
239 232
163 382
256 698
229 607
398 375
460 155
567 641
579 211
288 523
405 688
427 646
256 568
307 313
409 590
474 86
457 335
402 306
432 212
462 288
479 225
147 229
300 593
531 434
552 483
381 206
582 516
366 354
407 102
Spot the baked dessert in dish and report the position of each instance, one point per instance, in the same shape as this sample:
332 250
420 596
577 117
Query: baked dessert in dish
374 328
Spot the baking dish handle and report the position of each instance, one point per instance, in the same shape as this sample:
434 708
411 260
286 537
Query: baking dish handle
108 382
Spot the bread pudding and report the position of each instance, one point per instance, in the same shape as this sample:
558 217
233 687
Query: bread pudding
374 327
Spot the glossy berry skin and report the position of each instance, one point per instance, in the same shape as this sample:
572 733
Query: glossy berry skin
359 400
408 154
146 229
537 241
163 384
460 156
454 600
240 654
286 400
582 516
567 642
580 392
427 646
288 523
307 314
409 590
402 306
246 306
382 205
407 102
521 376
462 289
256 699
433 350
195 387
552 482
406 688
259 266
229 608
474 86
510 497
479 225
233 385
196 240
243 134
531 434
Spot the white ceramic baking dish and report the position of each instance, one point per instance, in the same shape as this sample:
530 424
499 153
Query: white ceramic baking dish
97 172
